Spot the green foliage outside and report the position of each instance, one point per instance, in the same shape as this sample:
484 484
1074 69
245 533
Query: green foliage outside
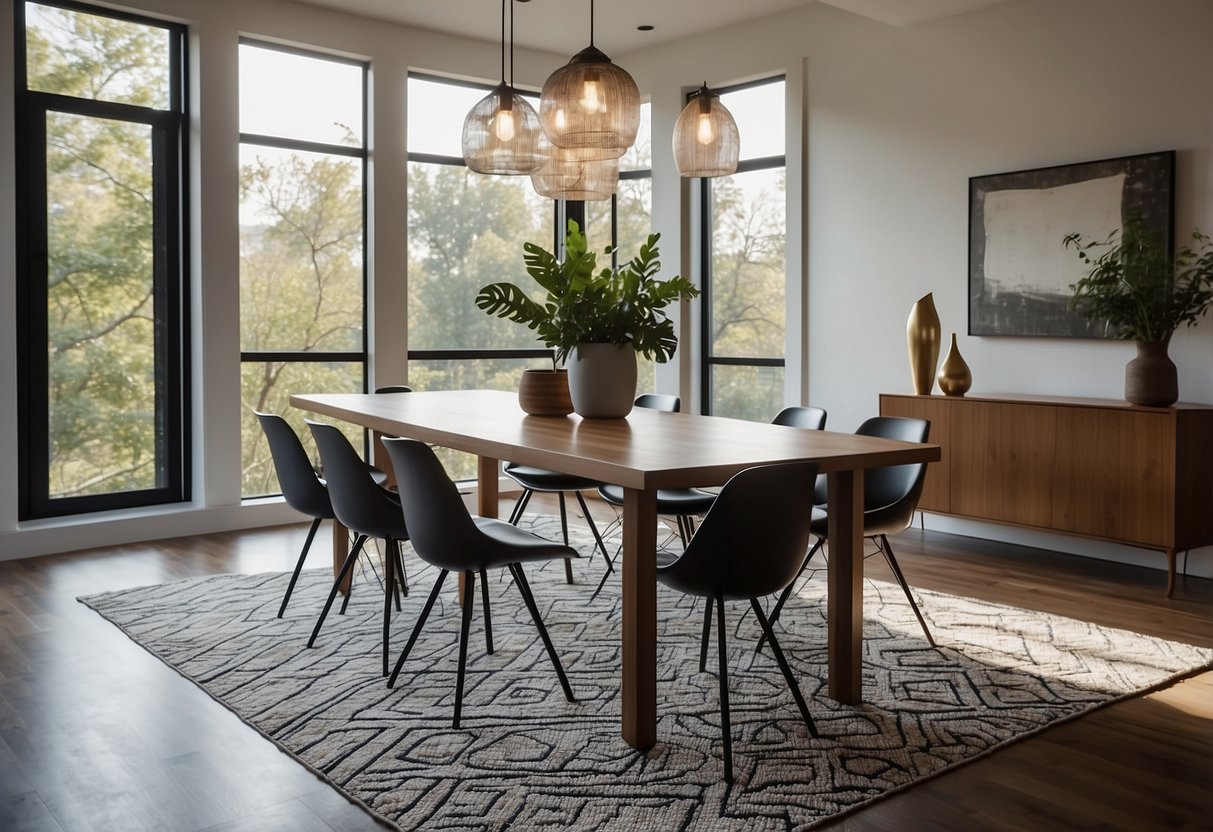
100 336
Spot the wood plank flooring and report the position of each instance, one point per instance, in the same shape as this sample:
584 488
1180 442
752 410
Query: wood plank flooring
96 734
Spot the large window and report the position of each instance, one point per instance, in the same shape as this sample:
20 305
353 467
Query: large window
302 212
743 235
101 262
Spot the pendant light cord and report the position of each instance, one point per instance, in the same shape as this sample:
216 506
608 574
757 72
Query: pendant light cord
591 22
511 42
503 41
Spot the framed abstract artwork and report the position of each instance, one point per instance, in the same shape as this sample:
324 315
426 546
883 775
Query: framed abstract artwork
1020 273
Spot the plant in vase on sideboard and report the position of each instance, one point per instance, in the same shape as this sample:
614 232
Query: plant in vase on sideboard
1142 294
596 320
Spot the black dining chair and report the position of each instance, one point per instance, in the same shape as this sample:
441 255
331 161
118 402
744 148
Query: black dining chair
683 504
368 510
394 388
445 535
301 486
890 498
740 553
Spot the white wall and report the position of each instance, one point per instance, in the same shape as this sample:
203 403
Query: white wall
898 119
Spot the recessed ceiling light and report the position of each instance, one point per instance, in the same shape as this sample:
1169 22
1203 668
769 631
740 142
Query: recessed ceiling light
644 27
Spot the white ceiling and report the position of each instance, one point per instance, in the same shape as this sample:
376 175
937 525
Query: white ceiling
563 25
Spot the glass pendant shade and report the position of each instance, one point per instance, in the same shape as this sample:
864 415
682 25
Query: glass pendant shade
501 135
591 106
567 177
706 141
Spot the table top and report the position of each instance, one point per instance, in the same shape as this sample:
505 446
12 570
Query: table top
648 449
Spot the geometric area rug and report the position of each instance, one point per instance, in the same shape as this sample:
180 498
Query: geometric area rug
525 758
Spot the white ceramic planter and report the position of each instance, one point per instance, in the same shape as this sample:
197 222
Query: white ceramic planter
602 380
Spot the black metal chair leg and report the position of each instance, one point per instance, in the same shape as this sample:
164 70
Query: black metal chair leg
402 575
707 633
524 589
389 584
594 529
520 506
890 559
359 544
425 613
469 592
394 583
564 531
307 544
488 618
783 666
787 591
725 729
345 569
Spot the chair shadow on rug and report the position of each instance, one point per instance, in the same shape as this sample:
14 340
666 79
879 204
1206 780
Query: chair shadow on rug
445 535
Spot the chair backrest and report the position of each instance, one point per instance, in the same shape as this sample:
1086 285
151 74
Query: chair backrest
753 539
659 401
394 388
440 528
301 488
813 418
358 502
883 487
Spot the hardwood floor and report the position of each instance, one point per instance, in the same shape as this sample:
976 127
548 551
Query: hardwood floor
96 734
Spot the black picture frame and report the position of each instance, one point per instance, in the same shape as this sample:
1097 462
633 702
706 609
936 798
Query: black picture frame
1019 271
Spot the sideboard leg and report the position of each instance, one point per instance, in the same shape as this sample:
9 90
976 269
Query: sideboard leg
1170 572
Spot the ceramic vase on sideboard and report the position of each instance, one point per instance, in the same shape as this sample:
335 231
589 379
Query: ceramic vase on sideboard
1151 378
955 378
922 340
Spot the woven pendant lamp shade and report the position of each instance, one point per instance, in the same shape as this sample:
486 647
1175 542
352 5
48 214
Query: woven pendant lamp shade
591 105
567 177
501 135
706 141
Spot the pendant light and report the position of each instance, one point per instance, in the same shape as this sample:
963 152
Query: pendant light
706 141
501 133
565 176
590 105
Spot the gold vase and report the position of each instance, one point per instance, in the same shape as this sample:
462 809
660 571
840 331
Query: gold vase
922 339
954 376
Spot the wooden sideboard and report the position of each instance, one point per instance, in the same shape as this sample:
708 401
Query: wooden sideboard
1103 469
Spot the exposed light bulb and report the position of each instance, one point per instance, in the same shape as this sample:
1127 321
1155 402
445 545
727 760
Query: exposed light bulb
503 125
705 133
591 97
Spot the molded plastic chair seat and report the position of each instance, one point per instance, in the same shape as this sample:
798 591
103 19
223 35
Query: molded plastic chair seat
445 535
750 544
541 479
669 500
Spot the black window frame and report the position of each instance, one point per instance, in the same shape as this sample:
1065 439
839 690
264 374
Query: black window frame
707 359
171 275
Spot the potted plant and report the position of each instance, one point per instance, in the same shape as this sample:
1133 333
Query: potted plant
1140 293
596 320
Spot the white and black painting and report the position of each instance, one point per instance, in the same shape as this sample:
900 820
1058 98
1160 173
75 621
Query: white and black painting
1019 271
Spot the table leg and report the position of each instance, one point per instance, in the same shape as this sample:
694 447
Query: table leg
639 691
844 615
341 548
486 487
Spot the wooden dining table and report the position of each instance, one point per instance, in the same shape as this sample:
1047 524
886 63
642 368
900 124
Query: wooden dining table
643 452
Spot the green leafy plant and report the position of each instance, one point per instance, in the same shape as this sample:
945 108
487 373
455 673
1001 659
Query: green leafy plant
1135 289
588 305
